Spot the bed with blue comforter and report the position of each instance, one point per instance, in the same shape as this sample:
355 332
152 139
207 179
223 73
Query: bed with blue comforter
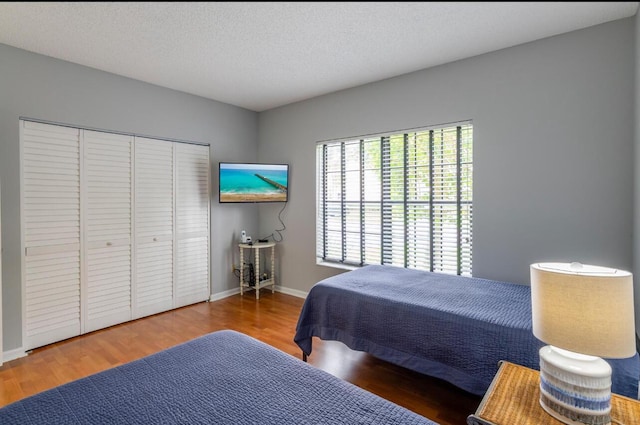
450 327
221 378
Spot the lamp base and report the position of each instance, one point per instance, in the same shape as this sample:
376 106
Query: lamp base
574 388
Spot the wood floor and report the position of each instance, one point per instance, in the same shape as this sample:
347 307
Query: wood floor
272 319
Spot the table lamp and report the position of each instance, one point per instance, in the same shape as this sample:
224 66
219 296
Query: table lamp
583 312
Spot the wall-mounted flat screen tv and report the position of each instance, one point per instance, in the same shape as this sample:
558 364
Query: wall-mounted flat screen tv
251 182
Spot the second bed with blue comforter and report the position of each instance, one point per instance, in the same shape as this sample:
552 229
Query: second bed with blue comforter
450 327
223 378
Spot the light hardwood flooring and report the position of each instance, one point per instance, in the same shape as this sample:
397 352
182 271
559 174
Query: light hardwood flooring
272 319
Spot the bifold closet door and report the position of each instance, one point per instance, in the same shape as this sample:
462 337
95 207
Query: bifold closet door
107 197
0 276
154 226
192 224
50 203
114 228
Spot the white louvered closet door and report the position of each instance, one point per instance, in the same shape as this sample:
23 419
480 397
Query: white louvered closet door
106 289
50 202
0 276
192 224
154 226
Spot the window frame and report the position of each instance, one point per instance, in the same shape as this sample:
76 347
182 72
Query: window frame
329 209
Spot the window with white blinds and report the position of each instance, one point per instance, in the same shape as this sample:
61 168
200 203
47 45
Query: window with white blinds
402 199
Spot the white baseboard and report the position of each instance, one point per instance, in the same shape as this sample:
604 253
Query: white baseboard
292 292
223 295
7 356
283 289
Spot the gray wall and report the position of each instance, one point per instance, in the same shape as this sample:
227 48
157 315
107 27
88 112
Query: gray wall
553 150
636 216
40 87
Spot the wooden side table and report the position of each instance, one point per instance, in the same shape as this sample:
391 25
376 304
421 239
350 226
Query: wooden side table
259 282
513 398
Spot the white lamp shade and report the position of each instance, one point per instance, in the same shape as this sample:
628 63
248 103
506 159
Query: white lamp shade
584 309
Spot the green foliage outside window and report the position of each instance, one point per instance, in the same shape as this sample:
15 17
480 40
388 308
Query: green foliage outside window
403 199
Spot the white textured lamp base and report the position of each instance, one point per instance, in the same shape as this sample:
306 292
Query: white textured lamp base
574 388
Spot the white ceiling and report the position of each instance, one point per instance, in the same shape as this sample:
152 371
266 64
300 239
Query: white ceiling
261 55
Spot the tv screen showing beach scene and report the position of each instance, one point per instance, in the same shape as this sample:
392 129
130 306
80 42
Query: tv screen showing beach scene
247 182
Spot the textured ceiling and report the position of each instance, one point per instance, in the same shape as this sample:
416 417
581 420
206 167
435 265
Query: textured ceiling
261 55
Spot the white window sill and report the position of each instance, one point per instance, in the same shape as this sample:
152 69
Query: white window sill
336 265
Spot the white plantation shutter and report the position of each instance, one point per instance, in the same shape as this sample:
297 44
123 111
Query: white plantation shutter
114 227
50 199
192 224
154 226
108 225
1 351
403 199
451 194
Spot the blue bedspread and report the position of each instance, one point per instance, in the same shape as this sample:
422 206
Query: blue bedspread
451 327
222 378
